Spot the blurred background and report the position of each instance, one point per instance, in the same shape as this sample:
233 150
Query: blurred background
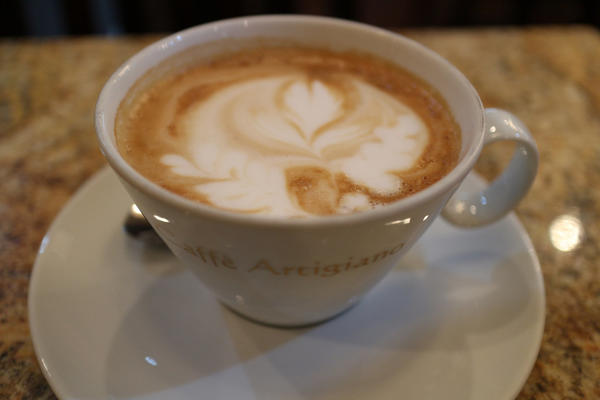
19 18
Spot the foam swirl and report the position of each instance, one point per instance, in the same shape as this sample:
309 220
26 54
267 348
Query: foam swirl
315 133
245 136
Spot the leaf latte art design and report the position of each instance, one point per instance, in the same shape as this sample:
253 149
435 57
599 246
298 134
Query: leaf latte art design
244 138
287 131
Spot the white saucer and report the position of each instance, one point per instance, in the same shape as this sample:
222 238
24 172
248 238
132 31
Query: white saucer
111 318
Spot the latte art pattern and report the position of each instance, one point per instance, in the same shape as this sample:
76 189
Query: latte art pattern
245 137
279 138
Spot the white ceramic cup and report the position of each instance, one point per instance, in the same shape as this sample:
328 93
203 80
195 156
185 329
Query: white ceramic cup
298 271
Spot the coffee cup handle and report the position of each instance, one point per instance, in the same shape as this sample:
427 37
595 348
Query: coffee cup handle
505 192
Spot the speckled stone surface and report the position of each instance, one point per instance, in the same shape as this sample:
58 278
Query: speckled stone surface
550 77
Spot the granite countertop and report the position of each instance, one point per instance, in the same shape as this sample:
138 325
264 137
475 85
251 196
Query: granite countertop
550 77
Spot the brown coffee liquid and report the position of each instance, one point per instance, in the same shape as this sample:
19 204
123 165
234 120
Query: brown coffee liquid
154 120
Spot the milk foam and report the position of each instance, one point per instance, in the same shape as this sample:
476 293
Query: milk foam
241 139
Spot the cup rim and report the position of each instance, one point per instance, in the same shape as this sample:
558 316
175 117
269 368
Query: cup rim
103 132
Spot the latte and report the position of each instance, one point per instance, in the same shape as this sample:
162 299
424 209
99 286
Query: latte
288 131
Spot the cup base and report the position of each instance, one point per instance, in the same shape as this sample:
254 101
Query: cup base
290 325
